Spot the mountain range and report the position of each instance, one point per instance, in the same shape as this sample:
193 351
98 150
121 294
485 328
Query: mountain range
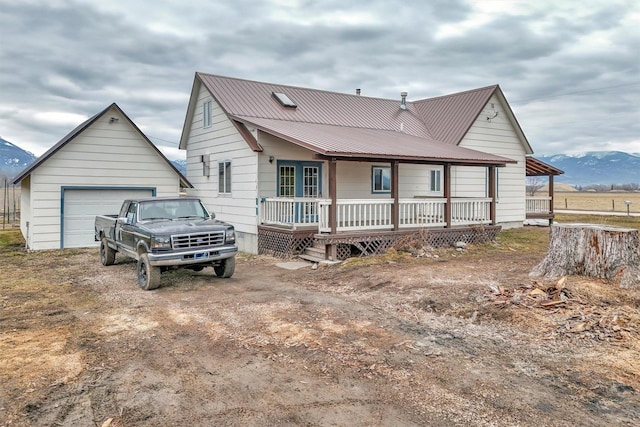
591 168
596 168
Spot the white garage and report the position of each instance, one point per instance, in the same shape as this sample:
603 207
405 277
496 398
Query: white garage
81 205
102 162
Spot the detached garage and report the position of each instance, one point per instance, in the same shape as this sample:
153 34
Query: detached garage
102 162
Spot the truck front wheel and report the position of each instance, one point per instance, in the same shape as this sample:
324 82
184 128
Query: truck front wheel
148 275
107 255
226 268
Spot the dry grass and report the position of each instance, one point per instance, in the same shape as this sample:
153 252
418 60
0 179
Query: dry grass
617 221
605 202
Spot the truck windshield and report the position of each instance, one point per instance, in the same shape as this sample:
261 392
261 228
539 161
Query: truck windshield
172 210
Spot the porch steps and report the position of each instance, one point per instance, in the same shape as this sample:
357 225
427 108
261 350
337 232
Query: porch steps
313 254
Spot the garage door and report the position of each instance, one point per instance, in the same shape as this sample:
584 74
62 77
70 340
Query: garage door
81 207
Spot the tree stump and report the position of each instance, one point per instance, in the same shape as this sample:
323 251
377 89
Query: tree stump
610 253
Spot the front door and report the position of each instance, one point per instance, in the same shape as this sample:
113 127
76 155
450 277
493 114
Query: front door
301 180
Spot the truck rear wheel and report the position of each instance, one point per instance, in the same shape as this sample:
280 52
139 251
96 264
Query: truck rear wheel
107 255
226 268
148 275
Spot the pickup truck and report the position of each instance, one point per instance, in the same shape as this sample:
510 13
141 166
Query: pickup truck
166 233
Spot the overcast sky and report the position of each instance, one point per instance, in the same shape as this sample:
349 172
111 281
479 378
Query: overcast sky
570 69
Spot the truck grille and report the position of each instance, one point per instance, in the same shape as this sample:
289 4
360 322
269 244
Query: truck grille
186 241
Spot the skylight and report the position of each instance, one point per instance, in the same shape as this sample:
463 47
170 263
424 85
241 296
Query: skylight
284 99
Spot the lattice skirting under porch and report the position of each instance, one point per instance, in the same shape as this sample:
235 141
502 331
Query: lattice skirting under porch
286 243
283 243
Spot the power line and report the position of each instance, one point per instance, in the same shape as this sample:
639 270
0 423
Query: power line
160 139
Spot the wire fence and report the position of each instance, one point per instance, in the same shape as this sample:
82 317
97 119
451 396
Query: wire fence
9 204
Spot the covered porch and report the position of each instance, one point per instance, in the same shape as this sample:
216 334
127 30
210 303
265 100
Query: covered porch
336 227
540 207
360 215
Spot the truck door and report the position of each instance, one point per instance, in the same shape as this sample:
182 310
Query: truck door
125 232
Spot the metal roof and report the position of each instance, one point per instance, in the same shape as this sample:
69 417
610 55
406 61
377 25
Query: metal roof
349 125
535 167
339 141
254 99
450 117
79 129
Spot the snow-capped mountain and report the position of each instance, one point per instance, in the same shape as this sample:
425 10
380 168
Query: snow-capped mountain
596 167
181 165
13 159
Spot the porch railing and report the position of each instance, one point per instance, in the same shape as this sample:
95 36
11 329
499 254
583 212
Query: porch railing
538 205
373 214
470 211
290 211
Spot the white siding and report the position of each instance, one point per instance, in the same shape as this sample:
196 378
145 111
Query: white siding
222 142
496 136
103 155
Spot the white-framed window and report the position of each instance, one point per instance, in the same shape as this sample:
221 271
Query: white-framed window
206 114
435 181
380 179
224 177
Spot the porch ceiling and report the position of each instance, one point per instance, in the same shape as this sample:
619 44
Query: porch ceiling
350 143
537 167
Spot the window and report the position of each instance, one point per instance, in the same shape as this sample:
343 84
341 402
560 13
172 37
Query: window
287 185
224 177
497 183
206 114
435 181
284 99
380 179
131 213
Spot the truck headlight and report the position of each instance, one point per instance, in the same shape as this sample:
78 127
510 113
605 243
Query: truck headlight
230 236
160 242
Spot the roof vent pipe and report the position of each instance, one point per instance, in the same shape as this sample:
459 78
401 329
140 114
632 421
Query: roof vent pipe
357 91
403 103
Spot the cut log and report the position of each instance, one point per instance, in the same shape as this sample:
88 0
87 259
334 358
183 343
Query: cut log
605 252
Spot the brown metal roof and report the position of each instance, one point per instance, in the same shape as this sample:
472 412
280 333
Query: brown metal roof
449 117
351 142
350 125
254 99
537 167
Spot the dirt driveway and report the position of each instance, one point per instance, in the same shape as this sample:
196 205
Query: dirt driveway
447 338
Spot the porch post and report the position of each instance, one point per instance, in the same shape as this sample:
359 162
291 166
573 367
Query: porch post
331 251
551 201
447 194
333 208
395 210
492 194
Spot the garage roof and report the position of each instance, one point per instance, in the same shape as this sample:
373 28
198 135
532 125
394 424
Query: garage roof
184 183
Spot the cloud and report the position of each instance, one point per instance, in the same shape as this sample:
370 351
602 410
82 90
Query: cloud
569 69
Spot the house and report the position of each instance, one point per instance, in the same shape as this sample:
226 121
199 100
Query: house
90 171
293 167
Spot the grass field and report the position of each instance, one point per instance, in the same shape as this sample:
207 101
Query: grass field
606 202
